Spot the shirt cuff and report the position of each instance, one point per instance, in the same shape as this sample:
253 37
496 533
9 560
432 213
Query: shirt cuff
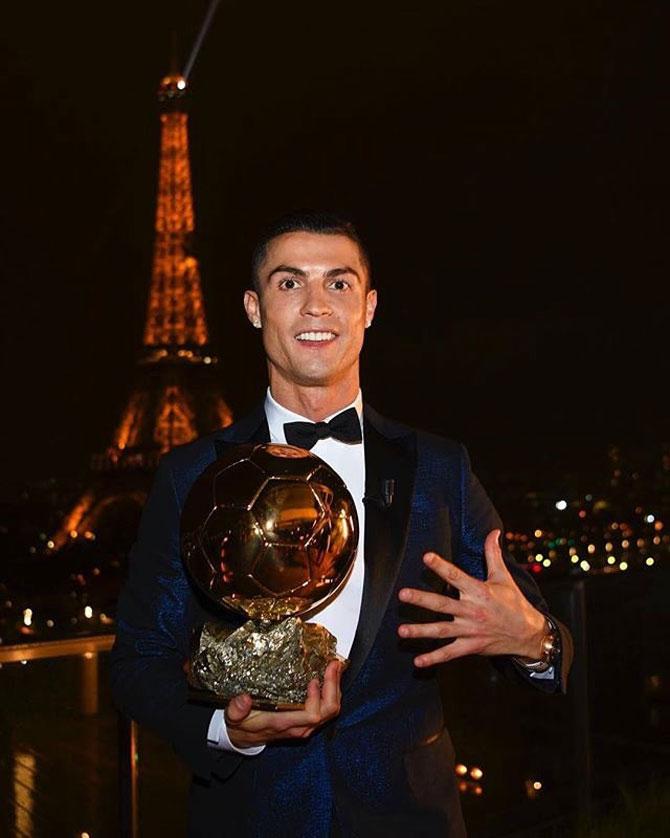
547 675
217 736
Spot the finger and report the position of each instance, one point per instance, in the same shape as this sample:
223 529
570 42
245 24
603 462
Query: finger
238 708
299 732
441 629
269 723
460 647
495 564
312 711
340 672
330 702
434 602
450 573
308 716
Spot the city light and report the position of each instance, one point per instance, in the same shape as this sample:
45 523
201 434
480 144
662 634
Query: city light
533 788
561 505
469 786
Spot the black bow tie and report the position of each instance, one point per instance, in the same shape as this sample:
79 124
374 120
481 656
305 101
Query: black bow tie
345 426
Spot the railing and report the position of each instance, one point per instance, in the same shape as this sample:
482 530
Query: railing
570 599
88 649
567 599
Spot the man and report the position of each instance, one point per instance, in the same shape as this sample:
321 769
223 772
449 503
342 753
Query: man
369 754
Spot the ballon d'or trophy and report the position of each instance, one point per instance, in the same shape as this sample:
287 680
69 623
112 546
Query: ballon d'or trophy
268 532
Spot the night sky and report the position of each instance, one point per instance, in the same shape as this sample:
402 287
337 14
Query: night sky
507 162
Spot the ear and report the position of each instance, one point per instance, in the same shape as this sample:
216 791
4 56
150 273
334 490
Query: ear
370 307
252 307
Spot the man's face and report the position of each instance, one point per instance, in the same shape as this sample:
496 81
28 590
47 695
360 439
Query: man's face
313 307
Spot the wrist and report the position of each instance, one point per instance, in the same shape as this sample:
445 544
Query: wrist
549 649
531 649
239 740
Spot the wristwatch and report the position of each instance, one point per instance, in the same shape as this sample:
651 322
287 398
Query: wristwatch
551 647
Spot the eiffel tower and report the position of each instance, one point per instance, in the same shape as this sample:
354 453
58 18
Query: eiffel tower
176 395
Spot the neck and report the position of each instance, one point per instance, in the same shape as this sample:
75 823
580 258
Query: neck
314 403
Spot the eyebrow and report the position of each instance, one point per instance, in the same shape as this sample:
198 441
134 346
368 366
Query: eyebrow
290 269
286 269
339 271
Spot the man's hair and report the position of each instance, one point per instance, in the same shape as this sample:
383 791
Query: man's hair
306 221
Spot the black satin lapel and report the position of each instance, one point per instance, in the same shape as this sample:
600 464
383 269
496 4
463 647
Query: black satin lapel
385 532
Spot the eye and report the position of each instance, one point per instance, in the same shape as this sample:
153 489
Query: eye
288 283
340 284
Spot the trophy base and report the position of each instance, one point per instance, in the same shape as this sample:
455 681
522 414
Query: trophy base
273 662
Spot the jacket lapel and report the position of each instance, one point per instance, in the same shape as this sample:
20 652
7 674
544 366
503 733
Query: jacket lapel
251 428
390 455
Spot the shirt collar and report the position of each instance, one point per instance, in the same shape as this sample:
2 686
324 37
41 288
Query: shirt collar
277 415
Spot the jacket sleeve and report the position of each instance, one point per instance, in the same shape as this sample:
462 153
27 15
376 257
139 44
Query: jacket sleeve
479 517
154 622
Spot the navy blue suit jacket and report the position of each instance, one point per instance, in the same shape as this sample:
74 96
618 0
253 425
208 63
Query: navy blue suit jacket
385 765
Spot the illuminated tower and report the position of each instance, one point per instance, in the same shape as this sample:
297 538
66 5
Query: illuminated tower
177 395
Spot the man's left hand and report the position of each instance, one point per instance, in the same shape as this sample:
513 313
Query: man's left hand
489 618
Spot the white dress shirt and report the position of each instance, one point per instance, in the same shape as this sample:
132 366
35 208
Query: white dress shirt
340 615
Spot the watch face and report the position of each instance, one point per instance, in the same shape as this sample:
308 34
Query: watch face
550 646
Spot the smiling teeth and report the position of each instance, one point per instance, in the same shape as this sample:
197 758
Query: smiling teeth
315 336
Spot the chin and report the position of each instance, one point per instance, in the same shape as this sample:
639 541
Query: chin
314 380
315 371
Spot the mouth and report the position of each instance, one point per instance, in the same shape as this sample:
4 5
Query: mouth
316 337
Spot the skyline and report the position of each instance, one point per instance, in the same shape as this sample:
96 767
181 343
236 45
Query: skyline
553 330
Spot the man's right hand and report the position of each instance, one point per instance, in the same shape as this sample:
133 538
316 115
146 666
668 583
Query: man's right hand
247 727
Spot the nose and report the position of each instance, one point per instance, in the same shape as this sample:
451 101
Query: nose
316 303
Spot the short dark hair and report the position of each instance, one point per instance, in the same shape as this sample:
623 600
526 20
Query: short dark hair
306 221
